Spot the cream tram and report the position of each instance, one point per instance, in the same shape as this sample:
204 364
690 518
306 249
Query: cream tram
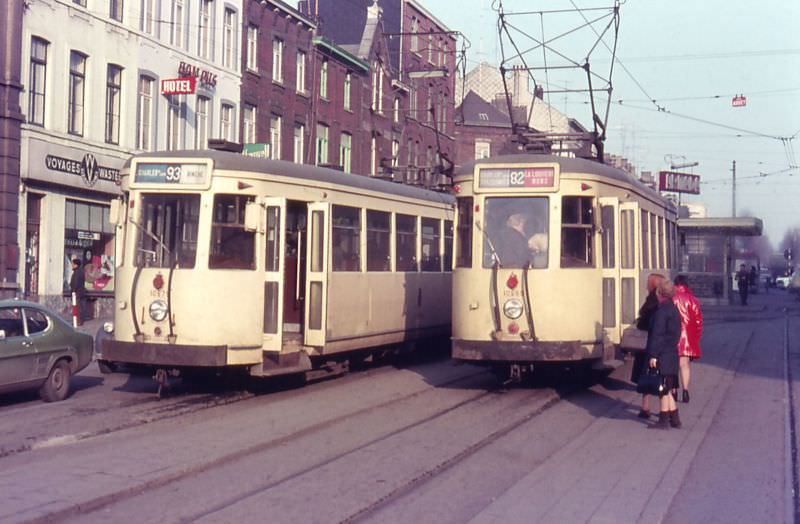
552 255
268 267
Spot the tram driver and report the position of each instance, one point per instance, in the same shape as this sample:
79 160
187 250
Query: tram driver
515 247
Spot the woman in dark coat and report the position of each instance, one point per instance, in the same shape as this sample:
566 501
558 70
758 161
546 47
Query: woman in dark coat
643 322
662 351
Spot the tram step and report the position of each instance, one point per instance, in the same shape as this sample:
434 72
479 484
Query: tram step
608 365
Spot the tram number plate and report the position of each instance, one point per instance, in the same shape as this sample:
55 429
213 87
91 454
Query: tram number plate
517 177
152 173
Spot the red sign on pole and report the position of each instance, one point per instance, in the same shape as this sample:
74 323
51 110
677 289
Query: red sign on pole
739 101
178 86
679 182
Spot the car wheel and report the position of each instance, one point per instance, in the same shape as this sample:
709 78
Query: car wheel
106 367
56 387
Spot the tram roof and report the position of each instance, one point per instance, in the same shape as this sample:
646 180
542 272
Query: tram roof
568 164
228 161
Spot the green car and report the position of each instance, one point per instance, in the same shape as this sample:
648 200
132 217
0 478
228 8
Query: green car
39 350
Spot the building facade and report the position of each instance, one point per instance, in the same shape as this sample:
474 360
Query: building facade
92 96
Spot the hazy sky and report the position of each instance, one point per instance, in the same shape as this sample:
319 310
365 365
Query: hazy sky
692 58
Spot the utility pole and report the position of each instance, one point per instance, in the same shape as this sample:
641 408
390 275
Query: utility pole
733 189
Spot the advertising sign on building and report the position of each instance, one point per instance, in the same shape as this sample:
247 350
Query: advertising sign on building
178 86
739 101
679 182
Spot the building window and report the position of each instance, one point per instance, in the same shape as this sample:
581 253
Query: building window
144 118
80 2
414 31
115 9
252 48
176 113
226 122
204 29
377 87
177 23
77 83
299 143
345 149
396 110
348 86
323 79
229 39
275 137
201 124
300 77
412 102
322 144
146 23
89 237
430 47
113 90
38 81
277 60
395 153
482 149
249 118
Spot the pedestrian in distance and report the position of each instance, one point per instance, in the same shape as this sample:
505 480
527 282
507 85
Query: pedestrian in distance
691 329
77 285
743 281
643 322
662 352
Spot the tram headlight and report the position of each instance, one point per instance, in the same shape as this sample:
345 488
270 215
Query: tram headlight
513 308
158 310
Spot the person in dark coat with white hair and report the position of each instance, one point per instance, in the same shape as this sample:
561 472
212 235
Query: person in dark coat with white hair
662 352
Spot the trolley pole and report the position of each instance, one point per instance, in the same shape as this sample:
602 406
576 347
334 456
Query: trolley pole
733 189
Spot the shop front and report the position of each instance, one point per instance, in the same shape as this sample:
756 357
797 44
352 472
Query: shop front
64 209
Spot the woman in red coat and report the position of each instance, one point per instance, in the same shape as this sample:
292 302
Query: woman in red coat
691 329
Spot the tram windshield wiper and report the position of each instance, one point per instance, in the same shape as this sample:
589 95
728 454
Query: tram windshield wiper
153 237
489 242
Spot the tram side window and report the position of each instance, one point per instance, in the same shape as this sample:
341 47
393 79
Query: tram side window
576 232
231 246
406 240
464 233
654 262
661 254
448 245
346 222
167 231
607 220
645 241
378 239
431 259
627 239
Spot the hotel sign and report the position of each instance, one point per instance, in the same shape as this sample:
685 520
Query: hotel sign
673 182
178 86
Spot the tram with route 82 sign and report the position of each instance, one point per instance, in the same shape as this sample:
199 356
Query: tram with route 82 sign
227 262
552 255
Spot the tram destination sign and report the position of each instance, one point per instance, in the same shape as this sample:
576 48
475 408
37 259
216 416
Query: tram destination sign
517 177
179 173
673 182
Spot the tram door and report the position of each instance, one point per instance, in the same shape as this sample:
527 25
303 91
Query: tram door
609 252
273 272
317 273
294 272
628 262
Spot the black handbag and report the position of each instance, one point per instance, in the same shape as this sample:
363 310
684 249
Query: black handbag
650 382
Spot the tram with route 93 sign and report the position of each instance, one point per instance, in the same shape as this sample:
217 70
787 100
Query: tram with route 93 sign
227 262
551 260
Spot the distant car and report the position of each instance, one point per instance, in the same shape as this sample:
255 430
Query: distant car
782 282
39 350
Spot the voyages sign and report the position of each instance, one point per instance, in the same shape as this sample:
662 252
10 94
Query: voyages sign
679 182
86 168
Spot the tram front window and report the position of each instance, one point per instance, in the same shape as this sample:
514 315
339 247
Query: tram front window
231 246
515 232
167 231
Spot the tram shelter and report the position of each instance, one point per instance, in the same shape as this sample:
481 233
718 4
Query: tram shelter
706 248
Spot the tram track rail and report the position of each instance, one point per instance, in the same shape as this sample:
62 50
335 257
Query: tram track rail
106 500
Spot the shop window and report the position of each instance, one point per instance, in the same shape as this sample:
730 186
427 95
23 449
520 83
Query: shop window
346 222
89 237
231 246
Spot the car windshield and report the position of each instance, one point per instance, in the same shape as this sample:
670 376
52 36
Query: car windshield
515 232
